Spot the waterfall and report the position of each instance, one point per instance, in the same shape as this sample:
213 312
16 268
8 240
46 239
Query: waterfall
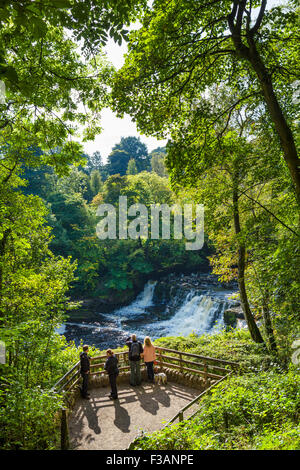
199 314
137 308
143 300
164 308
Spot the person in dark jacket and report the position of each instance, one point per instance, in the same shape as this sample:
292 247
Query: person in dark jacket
84 371
111 366
135 350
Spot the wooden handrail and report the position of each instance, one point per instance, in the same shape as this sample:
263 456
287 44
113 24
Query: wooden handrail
206 358
63 383
120 353
55 386
179 415
198 364
188 369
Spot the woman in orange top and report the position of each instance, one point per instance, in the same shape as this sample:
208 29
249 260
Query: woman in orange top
149 358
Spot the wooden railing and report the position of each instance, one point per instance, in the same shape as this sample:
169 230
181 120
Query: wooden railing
211 370
180 414
72 377
207 367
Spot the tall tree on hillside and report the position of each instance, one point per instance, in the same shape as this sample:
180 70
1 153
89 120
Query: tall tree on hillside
158 163
94 162
242 180
118 162
136 150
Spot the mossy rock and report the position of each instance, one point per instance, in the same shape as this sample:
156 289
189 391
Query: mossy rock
230 319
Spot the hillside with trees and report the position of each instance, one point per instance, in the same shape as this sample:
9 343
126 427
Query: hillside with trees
220 81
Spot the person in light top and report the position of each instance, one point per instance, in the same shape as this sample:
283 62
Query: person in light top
149 358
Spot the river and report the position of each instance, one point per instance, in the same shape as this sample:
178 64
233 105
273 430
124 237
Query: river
177 305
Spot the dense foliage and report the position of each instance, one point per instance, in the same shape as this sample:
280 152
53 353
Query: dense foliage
257 409
218 79
50 92
224 92
113 270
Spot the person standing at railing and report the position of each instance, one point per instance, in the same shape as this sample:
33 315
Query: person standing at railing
149 358
84 371
111 367
135 350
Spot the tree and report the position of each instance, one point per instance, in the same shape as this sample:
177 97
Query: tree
136 151
46 81
131 168
220 42
113 188
94 162
220 187
118 162
250 206
75 182
158 163
95 182
41 181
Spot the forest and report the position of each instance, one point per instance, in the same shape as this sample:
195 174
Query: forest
220 81
111 270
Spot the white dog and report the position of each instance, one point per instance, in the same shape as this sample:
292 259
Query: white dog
160 378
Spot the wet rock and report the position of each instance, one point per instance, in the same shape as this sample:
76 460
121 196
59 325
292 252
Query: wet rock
231 315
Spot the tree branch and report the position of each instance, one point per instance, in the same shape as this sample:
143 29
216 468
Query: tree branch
271 213
259 18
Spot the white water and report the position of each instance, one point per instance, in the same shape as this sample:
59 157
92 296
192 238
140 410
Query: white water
144 299
137 307
196 315
61 329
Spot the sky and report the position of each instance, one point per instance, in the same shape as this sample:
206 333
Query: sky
114 128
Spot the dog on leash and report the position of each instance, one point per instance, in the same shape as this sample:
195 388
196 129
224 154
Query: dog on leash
160 378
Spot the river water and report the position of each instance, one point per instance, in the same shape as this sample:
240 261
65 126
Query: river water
176 306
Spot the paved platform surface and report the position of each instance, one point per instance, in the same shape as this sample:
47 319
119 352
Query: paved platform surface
101 423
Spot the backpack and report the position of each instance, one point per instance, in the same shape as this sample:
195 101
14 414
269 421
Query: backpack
135 350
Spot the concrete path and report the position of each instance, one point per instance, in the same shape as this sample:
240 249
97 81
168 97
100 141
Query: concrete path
101 423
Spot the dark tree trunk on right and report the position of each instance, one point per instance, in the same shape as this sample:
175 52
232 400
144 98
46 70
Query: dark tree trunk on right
253 328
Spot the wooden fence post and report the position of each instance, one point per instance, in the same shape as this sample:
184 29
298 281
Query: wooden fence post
64 432
180 362
205 374
180 416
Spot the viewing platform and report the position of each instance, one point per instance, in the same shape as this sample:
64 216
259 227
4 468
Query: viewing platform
104 424
101 423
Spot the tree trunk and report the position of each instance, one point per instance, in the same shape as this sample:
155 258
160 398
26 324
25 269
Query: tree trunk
252 55
268 326
253 328
282 128
3 243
